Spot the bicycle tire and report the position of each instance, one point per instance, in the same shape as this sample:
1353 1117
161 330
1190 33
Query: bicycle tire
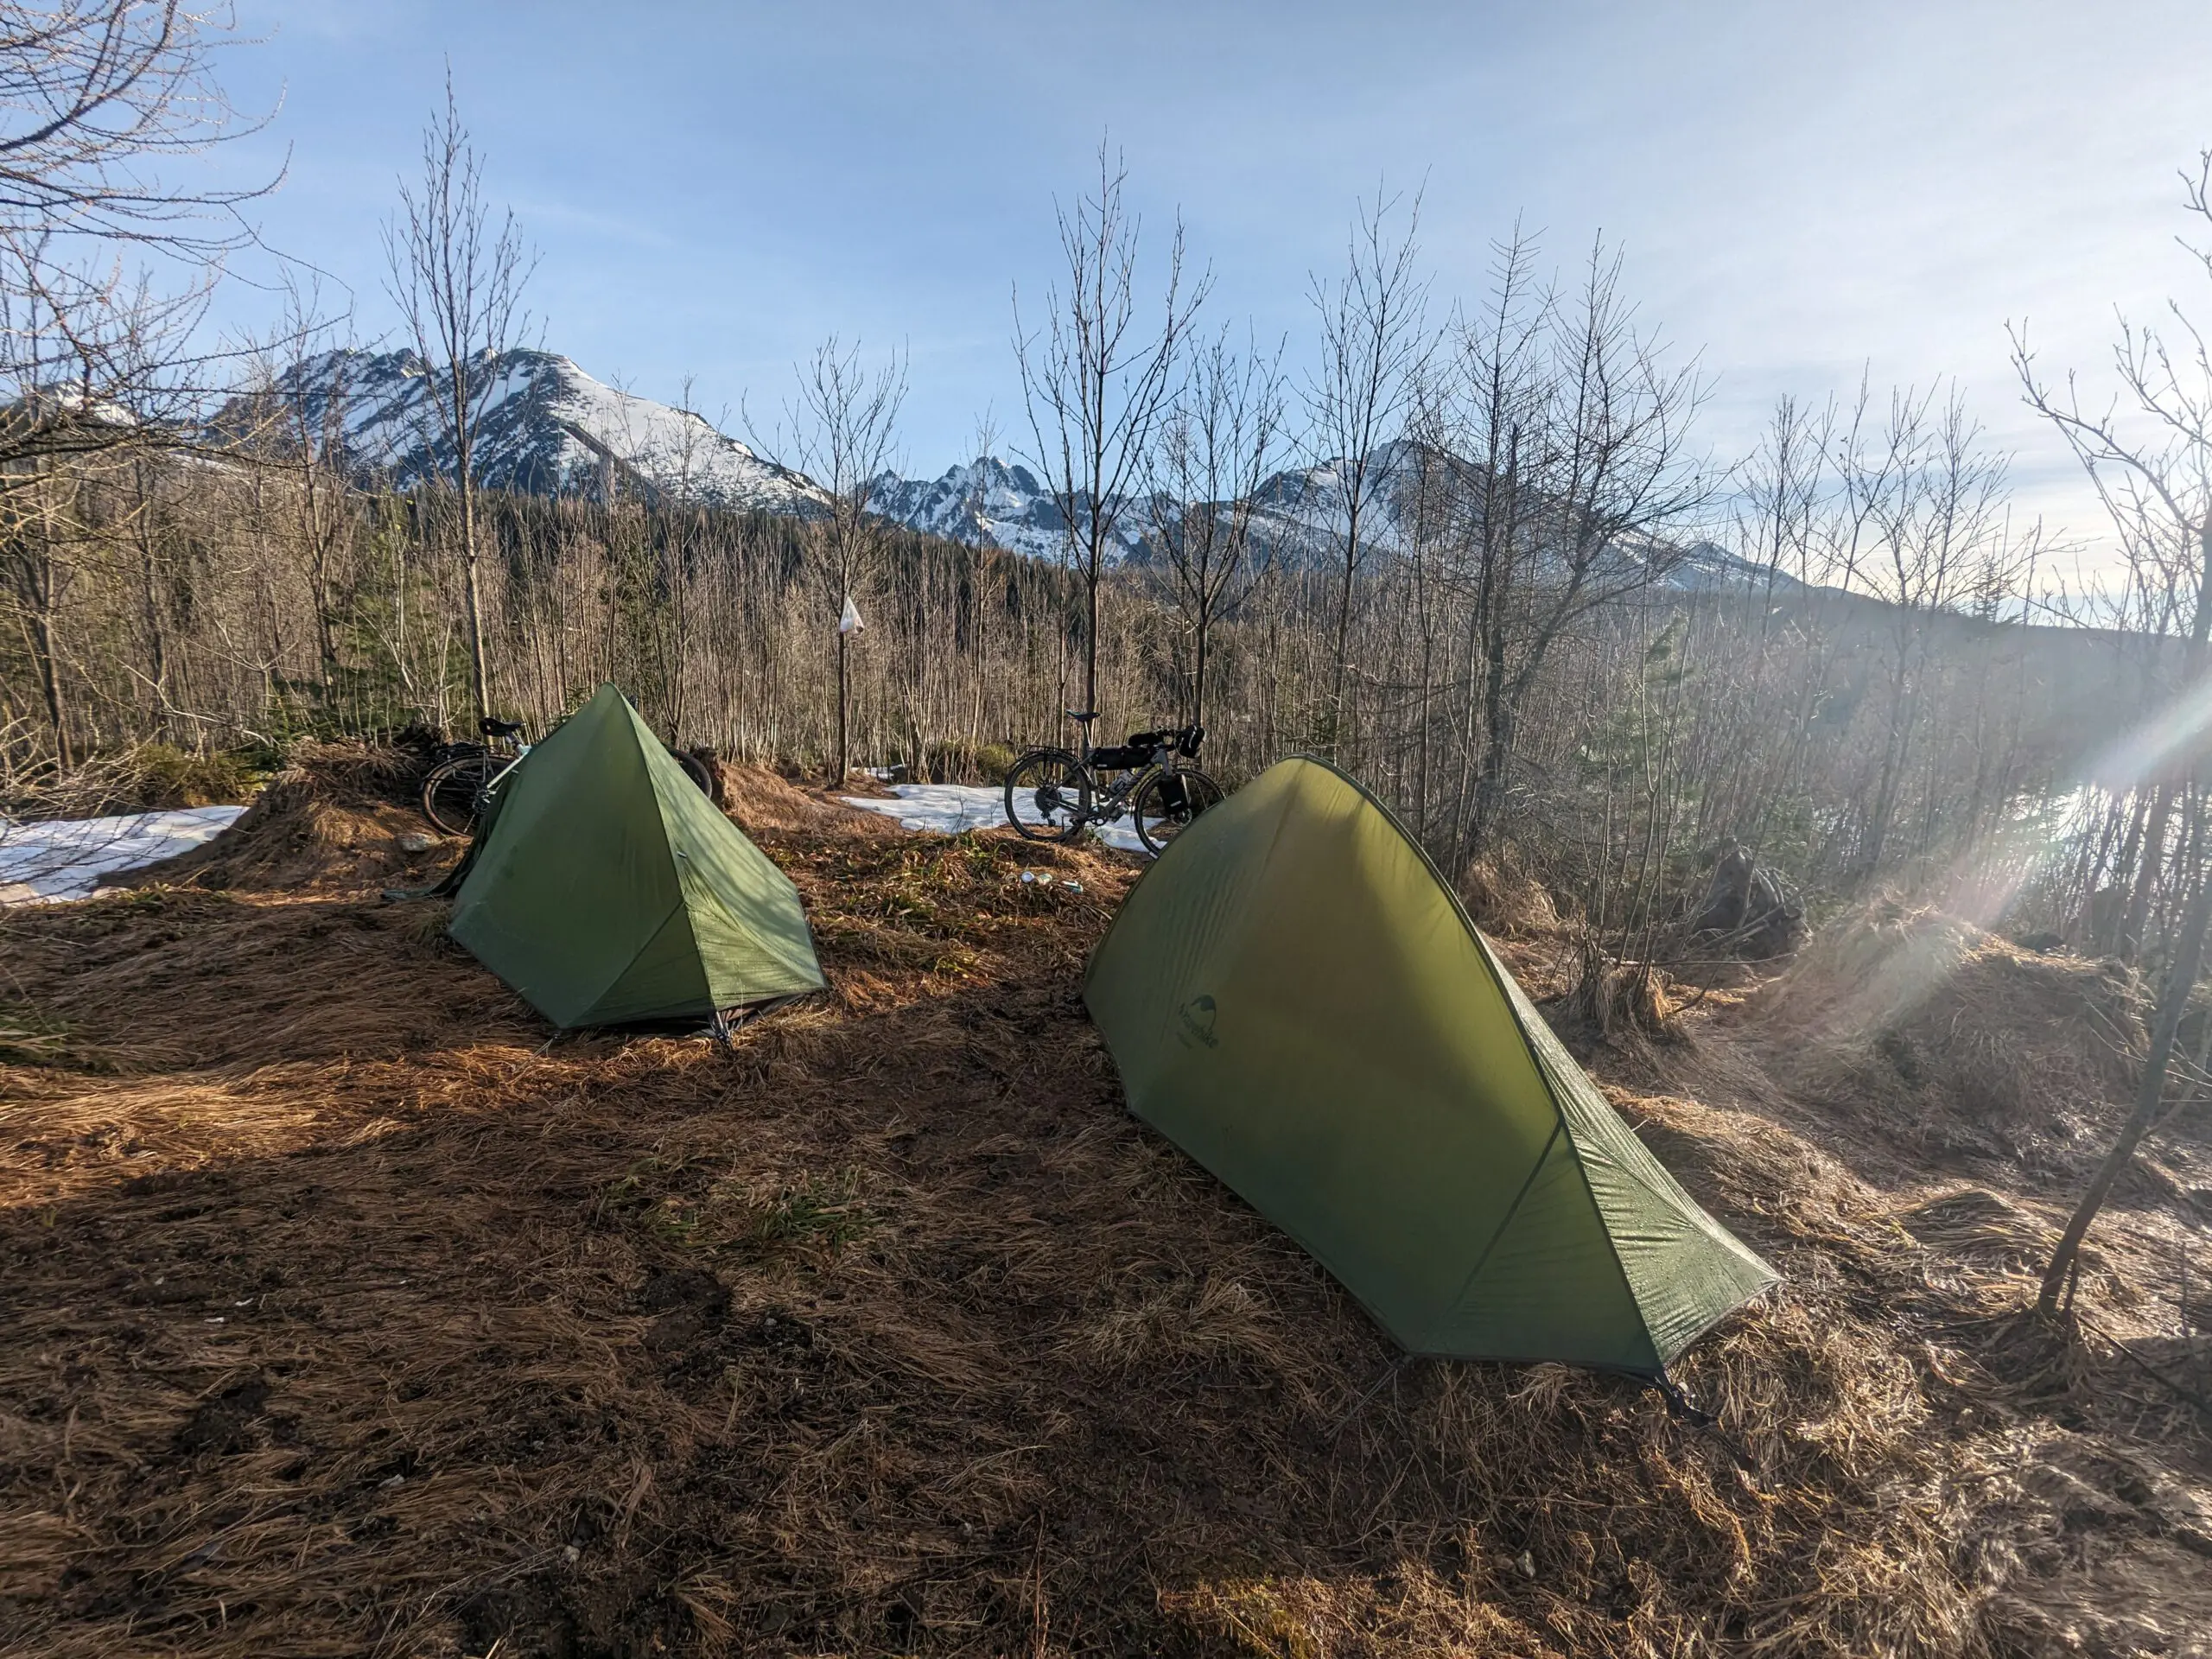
1038 788
706 776
1167 802
453 793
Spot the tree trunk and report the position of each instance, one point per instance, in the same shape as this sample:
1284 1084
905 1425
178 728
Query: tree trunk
156 634
1497 748
479 681
1337 721
1090 626
1199 673
842 764
49 685
2107 925
2173 1000
1906 714
2147 875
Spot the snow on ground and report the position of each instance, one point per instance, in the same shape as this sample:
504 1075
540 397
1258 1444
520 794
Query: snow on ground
66 858
947 809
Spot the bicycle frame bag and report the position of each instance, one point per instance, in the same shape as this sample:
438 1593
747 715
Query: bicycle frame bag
1123 757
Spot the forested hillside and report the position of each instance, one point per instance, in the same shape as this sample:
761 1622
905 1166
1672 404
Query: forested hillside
218 603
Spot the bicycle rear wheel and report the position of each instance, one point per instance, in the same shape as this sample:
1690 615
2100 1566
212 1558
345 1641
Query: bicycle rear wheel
700 773
452 795
1167 802
1048 796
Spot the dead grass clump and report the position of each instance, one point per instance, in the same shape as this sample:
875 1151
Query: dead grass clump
1606 1000
1958 1041
350 773
146 777
31 1036
1974 1224
764 801
299 835
1504 897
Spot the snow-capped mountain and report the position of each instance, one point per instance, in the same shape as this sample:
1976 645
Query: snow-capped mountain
988 501
1302 511
546 427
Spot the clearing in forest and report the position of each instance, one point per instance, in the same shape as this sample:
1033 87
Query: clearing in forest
344 1307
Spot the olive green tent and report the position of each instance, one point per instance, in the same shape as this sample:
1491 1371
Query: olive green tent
1295 996
605 887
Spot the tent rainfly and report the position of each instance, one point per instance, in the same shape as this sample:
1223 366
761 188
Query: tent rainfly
605 888
1295 996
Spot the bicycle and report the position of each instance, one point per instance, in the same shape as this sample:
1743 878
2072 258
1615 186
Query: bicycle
456 789
1056 794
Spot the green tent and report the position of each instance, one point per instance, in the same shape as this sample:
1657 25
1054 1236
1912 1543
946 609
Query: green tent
605 887
1295 996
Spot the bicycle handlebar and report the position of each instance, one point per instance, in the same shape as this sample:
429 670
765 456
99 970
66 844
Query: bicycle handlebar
1184 739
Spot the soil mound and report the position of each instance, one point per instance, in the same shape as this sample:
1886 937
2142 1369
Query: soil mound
1954 1042
339 818
764 801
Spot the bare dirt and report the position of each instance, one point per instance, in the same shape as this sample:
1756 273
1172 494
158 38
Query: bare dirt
346 1308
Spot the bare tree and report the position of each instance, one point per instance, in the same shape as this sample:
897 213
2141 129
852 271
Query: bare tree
1375 347
2150 1095
984 578
1930 500
1218 444
1785 506
458 283
842 429
94 96
290 417
88 373
1095 384
1581 479
2157 490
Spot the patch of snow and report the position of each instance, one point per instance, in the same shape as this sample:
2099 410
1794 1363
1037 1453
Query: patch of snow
948 809
66 858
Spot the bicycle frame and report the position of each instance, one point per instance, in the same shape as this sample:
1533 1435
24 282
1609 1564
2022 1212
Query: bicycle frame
1063 792
499 777
1109 802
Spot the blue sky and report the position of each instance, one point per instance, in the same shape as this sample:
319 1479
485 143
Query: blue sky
1799 189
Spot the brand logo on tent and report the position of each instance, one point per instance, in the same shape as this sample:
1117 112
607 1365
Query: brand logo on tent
1197 1019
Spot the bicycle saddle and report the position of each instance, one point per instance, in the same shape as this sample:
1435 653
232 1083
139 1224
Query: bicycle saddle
1084 718
492 728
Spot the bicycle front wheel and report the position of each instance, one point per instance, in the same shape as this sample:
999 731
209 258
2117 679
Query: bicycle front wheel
452 795
1048 796
1167 802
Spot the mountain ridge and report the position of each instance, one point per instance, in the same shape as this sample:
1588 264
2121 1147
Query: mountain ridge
549 428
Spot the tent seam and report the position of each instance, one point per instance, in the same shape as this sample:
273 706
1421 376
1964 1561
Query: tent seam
1512 1210
646 944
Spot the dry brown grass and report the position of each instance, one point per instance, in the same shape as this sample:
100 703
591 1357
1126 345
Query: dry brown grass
1960 1044
345 1309
333 821
1505 901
